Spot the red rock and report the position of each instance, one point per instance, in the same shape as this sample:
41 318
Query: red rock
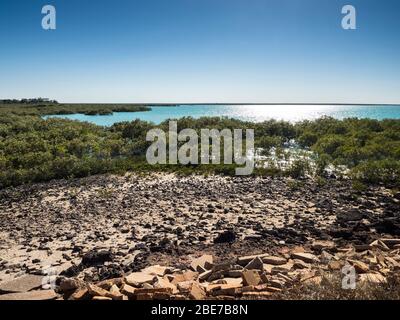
322 244
335 265
276 261
251 278
205 262
186 276
360 266
22 284
165 283
139 278
156 270
380 245
246 259
128 290
314 280
144 296
71 284
376 278
306 257
205 275
31 295
255 264
80 294
197 293
96 291
107 284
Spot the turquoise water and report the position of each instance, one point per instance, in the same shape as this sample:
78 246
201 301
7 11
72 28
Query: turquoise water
254 113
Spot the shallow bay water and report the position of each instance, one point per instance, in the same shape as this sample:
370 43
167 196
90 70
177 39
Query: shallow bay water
254 113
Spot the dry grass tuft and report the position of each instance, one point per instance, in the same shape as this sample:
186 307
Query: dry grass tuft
331 289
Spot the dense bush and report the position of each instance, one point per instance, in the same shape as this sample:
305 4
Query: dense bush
385 171
33 149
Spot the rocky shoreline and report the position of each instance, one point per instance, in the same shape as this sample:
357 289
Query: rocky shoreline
169 237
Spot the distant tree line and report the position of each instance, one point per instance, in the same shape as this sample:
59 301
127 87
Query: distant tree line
28 101
50 108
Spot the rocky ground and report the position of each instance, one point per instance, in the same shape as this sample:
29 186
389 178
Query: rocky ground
169 237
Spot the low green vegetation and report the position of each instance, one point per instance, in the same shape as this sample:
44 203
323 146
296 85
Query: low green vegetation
33 149
370 148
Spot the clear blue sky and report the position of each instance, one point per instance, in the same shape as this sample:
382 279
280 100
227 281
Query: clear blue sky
201 51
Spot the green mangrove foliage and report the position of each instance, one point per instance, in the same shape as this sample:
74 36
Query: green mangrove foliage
33 149
41 107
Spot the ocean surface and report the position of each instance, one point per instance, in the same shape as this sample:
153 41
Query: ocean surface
254 113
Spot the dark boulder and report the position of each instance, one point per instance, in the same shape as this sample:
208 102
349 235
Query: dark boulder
225 237
352 215
94 258
344 233
388 226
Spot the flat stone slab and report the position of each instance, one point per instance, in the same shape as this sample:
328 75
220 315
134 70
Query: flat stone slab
22 284
138 278
306 257
31 295
205 262
276 261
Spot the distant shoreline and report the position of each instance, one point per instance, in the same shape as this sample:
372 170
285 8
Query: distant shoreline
244 103
171 104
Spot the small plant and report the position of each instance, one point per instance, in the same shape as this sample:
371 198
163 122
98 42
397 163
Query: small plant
358 186
73 193
320 181
106 193
295 185
298 169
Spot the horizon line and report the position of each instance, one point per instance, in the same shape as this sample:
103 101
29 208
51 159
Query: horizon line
236 103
